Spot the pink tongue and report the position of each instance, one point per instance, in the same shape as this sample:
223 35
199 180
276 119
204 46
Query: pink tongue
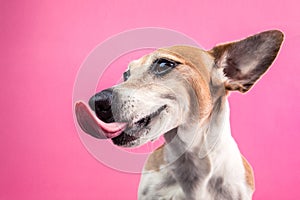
95 127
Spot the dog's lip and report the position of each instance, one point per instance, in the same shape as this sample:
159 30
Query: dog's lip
90 124
150 116
126 137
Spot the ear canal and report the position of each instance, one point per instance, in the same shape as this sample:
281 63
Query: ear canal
245 61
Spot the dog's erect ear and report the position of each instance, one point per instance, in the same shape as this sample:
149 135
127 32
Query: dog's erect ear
244 61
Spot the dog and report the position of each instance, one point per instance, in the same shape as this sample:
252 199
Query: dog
181 92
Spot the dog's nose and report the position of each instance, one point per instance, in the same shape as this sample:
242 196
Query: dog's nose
101 104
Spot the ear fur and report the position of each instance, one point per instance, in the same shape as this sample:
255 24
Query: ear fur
245 61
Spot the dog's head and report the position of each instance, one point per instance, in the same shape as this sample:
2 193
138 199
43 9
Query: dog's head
174 87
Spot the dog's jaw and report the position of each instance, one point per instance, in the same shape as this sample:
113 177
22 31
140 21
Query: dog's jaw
137 131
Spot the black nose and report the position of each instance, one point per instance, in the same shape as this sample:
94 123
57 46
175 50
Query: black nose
101 104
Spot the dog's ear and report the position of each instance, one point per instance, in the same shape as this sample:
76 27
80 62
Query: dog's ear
243 62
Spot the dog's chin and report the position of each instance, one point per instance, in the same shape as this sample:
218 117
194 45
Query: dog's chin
133 137
129 141
125 140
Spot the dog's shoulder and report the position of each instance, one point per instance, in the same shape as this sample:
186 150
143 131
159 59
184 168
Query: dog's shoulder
248 173
155 159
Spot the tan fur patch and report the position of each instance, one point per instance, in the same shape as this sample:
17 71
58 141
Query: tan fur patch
196 73
249 173
156 159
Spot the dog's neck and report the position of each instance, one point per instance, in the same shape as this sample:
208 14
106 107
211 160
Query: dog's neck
201 137
200 148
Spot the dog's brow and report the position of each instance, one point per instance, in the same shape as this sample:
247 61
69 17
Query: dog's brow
166 57
162 53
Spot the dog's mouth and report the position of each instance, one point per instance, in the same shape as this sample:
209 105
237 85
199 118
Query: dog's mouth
121 133
90 124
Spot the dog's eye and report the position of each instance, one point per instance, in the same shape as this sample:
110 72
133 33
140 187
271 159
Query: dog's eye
162 66
126 75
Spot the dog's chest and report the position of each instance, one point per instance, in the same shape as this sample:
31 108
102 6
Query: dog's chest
186 178
162 185
190 177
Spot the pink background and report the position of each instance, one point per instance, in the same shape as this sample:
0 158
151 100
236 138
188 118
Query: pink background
43 44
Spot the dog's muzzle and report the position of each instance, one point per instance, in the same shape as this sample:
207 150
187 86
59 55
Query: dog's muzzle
97 120
99 124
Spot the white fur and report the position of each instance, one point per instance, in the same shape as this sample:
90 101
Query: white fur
225 159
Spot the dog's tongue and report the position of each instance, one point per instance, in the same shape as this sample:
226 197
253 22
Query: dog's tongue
95 127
